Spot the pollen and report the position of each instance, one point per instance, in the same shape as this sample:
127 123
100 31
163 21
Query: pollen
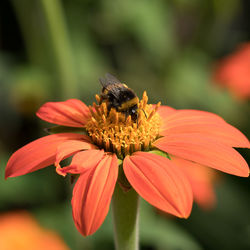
115 132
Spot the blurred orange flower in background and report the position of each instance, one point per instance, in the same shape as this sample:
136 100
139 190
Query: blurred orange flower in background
233 72
202 180
20 231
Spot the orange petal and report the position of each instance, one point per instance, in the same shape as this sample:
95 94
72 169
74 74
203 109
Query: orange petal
72 113
165 111
205 151
179 115
160 182
81 162
37 154
191 121
92 195
201 179
71 147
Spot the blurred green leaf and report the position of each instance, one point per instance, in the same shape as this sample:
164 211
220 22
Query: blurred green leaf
151 23
39 188
189 85
29 88
161 231
226 226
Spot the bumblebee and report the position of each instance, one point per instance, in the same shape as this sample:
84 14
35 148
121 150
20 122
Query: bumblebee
119 96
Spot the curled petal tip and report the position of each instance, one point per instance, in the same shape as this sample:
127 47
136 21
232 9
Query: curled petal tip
60 171
36 155
6 176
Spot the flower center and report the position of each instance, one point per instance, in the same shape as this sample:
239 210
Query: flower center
117 132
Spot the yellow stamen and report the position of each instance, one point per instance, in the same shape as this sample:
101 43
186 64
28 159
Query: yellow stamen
151 115
116 132
98 99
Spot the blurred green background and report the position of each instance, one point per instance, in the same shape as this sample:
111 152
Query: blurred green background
51 50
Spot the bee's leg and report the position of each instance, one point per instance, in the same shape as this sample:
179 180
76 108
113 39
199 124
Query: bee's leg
109 106
144 113
126 115
103 97
101 100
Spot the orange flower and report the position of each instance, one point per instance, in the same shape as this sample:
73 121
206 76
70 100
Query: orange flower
234 70
20 231
111 138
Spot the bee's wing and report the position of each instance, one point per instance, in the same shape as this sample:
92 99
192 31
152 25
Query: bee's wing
104 82
111 79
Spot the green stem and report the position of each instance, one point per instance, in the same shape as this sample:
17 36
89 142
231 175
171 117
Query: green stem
54 15
30 33
125 219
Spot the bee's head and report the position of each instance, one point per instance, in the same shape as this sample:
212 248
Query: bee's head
133 111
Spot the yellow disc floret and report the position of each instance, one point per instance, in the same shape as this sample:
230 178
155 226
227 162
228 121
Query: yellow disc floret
118 133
